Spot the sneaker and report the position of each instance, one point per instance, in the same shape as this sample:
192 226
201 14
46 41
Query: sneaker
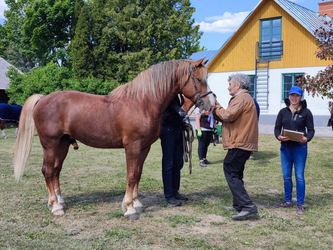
286 204
203 164
246 215
207 162
178 196
300 209
173 202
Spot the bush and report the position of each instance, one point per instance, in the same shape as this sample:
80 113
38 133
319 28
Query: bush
50 78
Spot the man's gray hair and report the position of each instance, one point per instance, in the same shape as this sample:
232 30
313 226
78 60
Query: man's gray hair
242 79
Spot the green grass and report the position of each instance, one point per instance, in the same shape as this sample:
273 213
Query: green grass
93 183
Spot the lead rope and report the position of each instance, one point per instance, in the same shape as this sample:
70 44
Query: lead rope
188 138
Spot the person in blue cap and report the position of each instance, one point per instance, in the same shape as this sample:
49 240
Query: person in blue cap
297 117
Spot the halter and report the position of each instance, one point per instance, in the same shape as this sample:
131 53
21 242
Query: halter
199 100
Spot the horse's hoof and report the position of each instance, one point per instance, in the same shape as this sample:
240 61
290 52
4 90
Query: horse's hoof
139 210
58 212
132 216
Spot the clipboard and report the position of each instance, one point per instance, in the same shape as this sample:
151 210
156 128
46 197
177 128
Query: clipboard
293 135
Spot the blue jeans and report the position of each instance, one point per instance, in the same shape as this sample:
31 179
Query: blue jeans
294 156
172 159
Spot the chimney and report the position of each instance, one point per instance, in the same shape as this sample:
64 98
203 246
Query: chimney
326 8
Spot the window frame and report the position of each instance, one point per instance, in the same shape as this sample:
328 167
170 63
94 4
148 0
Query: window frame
294 76
272 49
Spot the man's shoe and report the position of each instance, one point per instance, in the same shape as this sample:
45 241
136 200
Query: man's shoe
202 164
178 196
300 209
285 204
173 202
207 162
246 215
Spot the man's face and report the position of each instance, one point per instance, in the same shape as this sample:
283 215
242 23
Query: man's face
233 88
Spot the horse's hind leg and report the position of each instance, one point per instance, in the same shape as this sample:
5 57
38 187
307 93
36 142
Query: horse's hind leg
2 127
52 165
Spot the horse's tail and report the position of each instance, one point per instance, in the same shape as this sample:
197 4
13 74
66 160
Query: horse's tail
25 136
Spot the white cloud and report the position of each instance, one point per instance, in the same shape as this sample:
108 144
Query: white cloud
227 23
3 7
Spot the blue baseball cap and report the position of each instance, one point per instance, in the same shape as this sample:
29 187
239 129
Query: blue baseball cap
296 90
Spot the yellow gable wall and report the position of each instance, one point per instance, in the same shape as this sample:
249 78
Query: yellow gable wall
299 45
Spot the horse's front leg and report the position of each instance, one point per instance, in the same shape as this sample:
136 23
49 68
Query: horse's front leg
135 159
136 203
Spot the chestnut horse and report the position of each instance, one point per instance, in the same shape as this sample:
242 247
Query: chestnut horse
129 117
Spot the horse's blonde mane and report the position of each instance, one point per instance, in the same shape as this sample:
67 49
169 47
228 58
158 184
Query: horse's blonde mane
157 80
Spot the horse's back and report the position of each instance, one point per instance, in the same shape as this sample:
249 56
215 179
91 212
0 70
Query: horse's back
95 120
85 117
69 106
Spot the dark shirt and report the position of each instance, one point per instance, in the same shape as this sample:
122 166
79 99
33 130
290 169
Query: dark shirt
301 121
171 116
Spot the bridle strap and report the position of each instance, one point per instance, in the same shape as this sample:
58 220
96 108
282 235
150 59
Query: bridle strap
199 97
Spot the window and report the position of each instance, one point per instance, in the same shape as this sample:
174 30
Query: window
252 89
289 80
271 46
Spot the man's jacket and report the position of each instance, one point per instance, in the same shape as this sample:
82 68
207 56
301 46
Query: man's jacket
239 122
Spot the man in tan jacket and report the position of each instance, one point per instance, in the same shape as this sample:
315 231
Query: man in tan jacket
240 138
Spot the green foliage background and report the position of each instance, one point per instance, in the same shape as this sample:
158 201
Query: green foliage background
91 46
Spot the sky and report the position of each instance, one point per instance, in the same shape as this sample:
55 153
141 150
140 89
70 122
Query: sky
218 19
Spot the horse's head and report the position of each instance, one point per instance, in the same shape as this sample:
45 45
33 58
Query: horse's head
195 86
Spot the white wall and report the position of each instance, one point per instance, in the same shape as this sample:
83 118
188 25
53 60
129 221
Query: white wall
218 83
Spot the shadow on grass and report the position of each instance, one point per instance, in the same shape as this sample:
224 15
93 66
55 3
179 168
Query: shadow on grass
265 156
218 194
97 197
269 200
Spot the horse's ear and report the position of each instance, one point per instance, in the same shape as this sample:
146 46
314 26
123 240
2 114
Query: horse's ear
204 63
197 63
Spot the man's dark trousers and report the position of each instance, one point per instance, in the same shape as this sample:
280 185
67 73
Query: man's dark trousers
172 160
233 166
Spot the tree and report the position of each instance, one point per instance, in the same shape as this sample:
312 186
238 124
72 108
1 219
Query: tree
14 52
111 41
128 36
322 83
81 46
46 29
2 41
